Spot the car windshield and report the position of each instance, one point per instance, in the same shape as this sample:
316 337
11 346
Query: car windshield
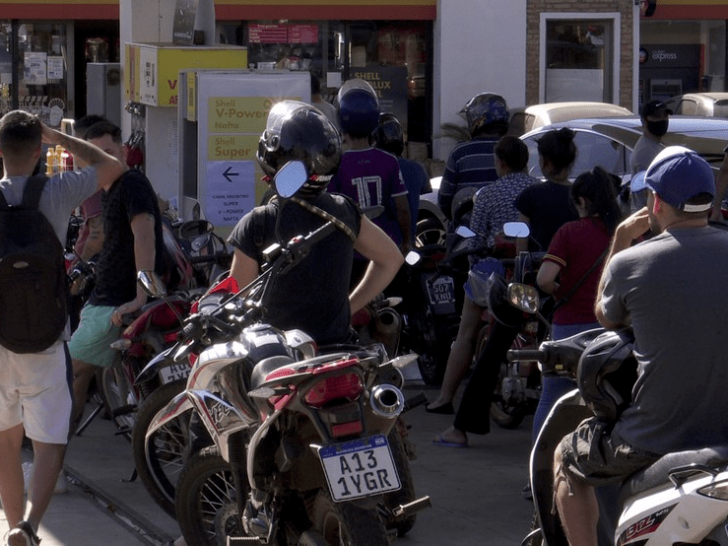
592 149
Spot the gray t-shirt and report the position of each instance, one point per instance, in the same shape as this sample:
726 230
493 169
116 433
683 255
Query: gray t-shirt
669 289
61 195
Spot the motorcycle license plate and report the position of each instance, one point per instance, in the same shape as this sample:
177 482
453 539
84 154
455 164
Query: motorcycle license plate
441 292
359 468
174 372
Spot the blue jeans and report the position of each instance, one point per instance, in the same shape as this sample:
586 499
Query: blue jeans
554 387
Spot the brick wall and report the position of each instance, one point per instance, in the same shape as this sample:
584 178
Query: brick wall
623 7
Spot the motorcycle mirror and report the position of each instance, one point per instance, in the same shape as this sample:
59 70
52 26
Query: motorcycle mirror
290 178
516 229
464 231
523 297
152 284
413 257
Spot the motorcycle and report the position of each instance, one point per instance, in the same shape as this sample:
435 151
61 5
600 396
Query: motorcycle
492 283
304 444
679 499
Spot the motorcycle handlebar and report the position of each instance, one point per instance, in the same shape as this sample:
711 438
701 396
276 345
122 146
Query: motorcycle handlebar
522 355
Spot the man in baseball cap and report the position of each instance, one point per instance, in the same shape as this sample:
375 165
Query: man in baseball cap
664 290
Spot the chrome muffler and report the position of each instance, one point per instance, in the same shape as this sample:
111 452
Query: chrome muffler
386 401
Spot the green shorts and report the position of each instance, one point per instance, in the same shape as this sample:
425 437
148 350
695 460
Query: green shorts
595 455
91 342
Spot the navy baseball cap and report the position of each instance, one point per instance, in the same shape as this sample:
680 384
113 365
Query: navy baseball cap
677 174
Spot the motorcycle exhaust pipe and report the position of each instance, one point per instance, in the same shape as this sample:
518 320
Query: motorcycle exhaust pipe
386 401
386 329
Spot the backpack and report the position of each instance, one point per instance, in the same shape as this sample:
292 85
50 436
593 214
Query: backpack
33 281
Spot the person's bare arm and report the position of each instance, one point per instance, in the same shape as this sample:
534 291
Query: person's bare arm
244 269
628 231
95 241
142 226
386 259
404 219
546 278
108 168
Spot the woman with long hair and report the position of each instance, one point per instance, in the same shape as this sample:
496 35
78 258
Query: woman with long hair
570 262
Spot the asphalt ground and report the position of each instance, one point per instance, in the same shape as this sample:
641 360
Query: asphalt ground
475 491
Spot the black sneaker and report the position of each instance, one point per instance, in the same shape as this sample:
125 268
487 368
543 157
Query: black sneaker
23 535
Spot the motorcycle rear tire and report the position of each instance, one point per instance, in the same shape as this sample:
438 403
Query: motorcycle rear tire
434 349
347 524
159 460
430 231
206 502
505 416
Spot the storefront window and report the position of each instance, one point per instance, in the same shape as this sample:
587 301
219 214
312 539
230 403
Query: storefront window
42 69
579 60
392 56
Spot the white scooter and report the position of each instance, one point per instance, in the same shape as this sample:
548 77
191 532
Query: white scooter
681 499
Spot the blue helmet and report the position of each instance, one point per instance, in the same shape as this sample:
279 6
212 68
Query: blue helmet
486 109
358 108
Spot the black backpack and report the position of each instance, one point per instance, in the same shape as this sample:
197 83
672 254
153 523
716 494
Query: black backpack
33 281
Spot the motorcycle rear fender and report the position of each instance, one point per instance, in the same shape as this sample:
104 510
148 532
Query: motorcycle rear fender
220 418
176 407
151 370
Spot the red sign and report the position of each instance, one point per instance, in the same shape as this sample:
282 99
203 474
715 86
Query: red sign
303 34
267 34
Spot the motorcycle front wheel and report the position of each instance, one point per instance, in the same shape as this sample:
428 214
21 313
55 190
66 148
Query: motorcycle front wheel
206 500
346 524
159 459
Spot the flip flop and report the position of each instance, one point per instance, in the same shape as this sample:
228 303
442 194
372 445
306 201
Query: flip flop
442 409
441 441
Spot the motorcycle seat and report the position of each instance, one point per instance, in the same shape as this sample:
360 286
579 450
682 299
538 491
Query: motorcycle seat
268 365
657 473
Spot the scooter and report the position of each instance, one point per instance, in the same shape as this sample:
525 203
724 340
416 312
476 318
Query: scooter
680 499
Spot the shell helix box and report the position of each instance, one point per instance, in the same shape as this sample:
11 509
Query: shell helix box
151 71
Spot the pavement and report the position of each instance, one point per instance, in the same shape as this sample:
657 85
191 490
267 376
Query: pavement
475 491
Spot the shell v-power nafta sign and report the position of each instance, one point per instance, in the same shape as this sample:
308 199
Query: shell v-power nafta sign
223 116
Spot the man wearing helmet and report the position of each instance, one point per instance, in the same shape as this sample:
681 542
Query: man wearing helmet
471 164
313 296
661 288
389 136
369 176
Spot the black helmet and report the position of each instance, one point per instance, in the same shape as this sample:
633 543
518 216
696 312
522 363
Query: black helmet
298 131
389 135
358 108
606 373
486 109
499 304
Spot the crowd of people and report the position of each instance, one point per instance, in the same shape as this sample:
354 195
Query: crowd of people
599 268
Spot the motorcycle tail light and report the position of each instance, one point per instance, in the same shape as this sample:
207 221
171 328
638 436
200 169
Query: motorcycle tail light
347 386
717 491
347 429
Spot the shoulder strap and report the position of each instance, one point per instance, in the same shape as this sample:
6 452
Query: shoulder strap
33 188
3 201
576 285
